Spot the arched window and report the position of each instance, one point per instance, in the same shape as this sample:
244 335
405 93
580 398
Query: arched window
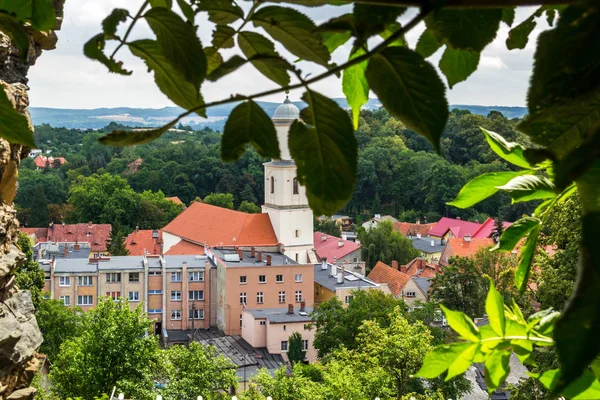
272 185
295 183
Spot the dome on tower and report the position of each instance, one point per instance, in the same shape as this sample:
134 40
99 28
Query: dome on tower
286 111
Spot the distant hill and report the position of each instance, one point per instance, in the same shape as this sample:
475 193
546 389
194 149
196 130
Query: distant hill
99 117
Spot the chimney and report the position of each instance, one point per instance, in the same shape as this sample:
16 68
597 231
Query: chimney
395 264
252 252
324 263
66 250
302 306
137 228
467 238
340 243
418 236
458 218
333 270
403 268
323 238
290 309
268 259
418 222
90 224
76 247
241 254
432 243
340 277
259 256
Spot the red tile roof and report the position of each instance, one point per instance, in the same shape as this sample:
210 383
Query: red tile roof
412 229
175 199
327 246
460 247
140 242
185 248
40 161
419 267
95 234
212 225
485 230
40 233
458 227
135 165
383 273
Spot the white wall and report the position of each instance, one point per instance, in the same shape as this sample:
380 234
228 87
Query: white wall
169 241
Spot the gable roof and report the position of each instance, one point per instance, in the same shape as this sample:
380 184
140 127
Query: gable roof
175 199
40 234
458 227
95 234
184 247
211 225
421 268
40 161
412 229
423 284
141 240
462 248
383 273
327 246
485 230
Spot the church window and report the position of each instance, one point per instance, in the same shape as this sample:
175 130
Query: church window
272 185
298 232
295 184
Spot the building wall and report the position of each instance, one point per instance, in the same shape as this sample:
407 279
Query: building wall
276 333
169 240
433 258
252 331
322 294
354 256
411 286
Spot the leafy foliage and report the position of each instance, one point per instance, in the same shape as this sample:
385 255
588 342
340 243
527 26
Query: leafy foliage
296 352
384 244
30 275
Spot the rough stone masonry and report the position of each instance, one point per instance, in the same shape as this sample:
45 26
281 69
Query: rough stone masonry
20 336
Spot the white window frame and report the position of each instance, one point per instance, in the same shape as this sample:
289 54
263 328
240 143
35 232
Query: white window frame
298 278
196 276
192 296
155 311
243 295
243 279
113 277
175 315
348 299
197 311
260 297
305 344
86 280
114 295
81 298
411 294
174 295
176 276
155 291
281 296
298 296
154 273
262 322
262 276
133 281
277 278
284 346
66 300
64 281
134 296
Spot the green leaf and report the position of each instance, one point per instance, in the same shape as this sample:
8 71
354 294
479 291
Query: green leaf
525 259
578 161
221 11
40 13
187 11
494 307
13 125
161 3
462 324
294 31
465 29
458 65
463 362
410 89
253 44
314 3
564 67
508 16
576 332
509 151
371 20
213 59
179 43
325 150
333 40
391 29
355 86
169 81
15 31
248 123
121 138
94 49
547 323
529 187
496 369
481 187
513 234
110 23
223 37
441 358
586 387
427 44
519 35
226 68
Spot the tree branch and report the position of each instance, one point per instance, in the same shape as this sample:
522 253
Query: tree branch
465 3
130 28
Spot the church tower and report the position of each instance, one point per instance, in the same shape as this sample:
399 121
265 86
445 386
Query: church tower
285 199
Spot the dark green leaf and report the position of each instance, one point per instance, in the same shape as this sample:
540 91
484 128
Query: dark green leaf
458 65
227 67
496 369
525 258
465 29
253 44
373 19
333 40
179 43
213 59
519 35
15 31
427 44
481 187
248 123
13 125
550 15
564 67
440 358
169 81
494 307
40 13
576 332
138 136
508 16
94 49
186 10
529 187
314 3
410 89
391 29
509 151
110 23
341 24
223 37
161 3
221 11
461 324
513 234
355 86
325 150
294 31
578 161
586 387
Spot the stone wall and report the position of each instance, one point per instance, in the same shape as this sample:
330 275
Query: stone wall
20 336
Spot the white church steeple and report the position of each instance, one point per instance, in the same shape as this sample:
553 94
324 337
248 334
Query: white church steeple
285 199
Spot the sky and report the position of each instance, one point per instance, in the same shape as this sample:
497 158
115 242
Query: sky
65 78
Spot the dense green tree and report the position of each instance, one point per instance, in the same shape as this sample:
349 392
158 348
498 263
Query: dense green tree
383 243
116 242
52 183
224 200
328 226
248 207
38 214
29 275
296 352
58 323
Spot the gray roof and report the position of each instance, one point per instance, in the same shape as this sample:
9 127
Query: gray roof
154 262
358 281
74 265
280 315
191 260
277 259
286 111
424 245
423 284
122 262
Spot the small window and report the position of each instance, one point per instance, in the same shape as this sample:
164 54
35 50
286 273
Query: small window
175 295
284 346
282 297
347 299
263 322
134 277
175 276
272 185
134 296
154 291
243 298
298 278
298 233
84 281
260 297
85 300
64 281
295 185
304 344
197 276
262 279
196 295
279 278
298 296
114 295
66 300
410 294
175 315
155 311
243 280
155 273
196 314
113 277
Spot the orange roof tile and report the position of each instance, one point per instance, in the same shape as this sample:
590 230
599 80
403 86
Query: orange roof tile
412 229
185 248
419 267
462 248
207 224
175 199
141 240
40 233
383 273
95 234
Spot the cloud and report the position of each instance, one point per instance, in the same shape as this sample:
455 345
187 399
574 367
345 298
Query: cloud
491 62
